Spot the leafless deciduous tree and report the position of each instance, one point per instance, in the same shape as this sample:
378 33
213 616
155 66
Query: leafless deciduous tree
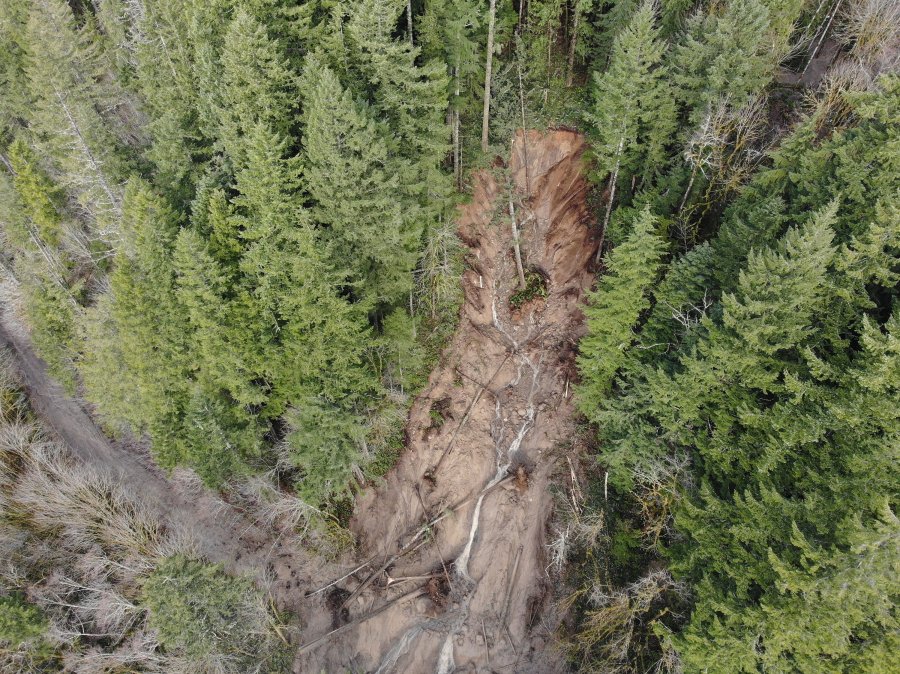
611 626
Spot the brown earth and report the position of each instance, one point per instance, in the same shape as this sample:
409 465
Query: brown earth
485 440
452 569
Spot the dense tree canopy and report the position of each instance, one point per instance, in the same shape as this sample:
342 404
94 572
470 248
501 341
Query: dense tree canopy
229 226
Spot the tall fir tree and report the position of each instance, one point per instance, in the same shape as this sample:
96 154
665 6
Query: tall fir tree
64 69
615 308
410 97
259 87
167 79
731 52
632 117
138 329
355 185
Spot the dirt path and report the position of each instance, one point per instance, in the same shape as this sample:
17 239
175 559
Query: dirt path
221 533
485 440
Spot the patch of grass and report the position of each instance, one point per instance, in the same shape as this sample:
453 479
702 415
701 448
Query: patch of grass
535 286
437 419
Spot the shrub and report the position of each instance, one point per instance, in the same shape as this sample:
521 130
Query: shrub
217 622
535 286
19 621
23 629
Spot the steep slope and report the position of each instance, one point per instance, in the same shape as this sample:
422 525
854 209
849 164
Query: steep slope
451 570
463 515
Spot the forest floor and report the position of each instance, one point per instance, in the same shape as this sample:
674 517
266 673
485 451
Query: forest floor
452 568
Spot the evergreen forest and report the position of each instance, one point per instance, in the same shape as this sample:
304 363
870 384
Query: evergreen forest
228 228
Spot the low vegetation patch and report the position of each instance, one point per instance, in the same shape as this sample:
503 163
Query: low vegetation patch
218 622
535 286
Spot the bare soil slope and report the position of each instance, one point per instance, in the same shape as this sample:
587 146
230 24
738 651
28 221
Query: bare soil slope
457 530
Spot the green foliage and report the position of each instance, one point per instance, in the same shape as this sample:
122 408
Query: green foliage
40 197
411 98
168 83
401 354
23 632
281 271
765 392
64 71
14 93
219 439
258 87
19 621
51 313
769 404
632 117
215 621
324 443
139 332
731 52
355 183
451 30
615 308
535 286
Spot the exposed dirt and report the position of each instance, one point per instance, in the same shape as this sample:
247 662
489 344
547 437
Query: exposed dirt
451 574
484 472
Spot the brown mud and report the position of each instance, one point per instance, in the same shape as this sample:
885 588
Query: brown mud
469 502
451 572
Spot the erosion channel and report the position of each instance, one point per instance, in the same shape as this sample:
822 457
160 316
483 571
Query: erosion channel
468 504
451 571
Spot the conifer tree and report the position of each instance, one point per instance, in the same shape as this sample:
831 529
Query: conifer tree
731 52
631 117
40 197
488 71
15 100
449 30
306 341
258 86
227 347
580 30
410 97
614 21
615 308
168 83
212 218
770 405
51 313
355 186
683 299
219 439
62 67
138 329
207 25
